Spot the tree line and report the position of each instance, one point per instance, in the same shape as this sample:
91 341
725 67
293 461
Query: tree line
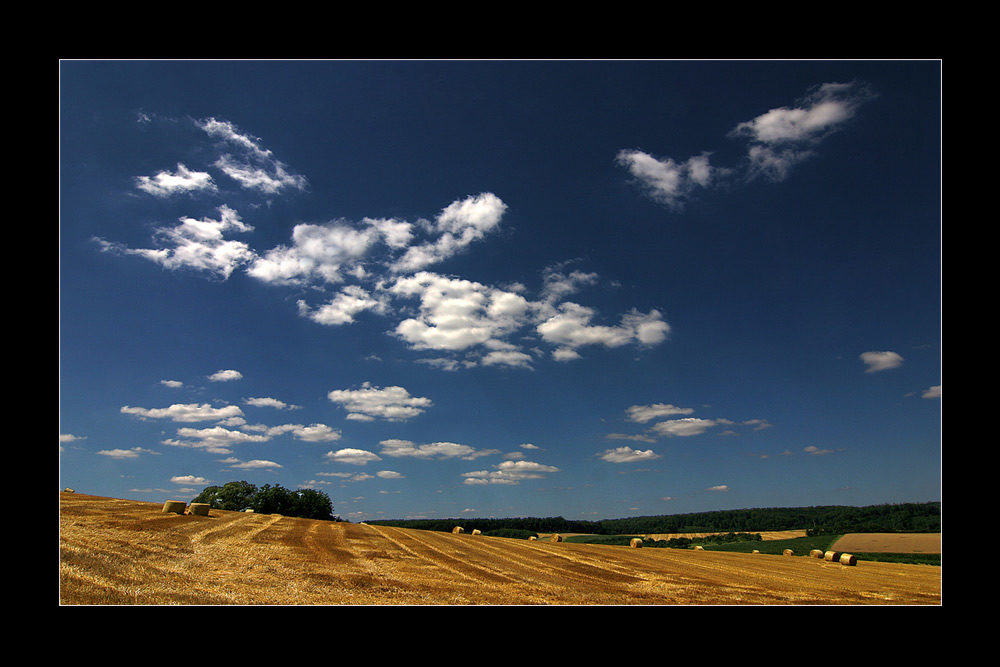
269 499
817 520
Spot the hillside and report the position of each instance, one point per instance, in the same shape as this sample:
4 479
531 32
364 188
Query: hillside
121 552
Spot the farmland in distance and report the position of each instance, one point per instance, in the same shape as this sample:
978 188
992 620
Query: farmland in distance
123 552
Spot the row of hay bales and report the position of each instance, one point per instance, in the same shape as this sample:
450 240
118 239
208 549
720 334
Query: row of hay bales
180 507
458 530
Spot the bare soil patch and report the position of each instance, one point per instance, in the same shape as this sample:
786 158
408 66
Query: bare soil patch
119 552
899 543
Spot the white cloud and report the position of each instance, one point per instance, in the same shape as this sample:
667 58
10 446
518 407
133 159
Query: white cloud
777 140
645 413
216 439
456 314
720 487
326 253
256 464
271 403
509 472
389 403
196 244
683 427
133 453
316 433
933 392
350 301
665 180
435 450
389 474
225 376
628 455
816 451
165 184
458 225
881 361
188 479
570 328
782 137
352 456
253 167
190 412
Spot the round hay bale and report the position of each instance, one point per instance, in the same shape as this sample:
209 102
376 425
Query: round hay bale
848 559
555 538
457 529
788 552
174 506
476 531
635 543
755 551
533 537
831 556
201 509
816 553
699 548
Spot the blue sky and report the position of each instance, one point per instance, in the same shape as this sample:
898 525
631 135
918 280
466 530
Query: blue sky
503 288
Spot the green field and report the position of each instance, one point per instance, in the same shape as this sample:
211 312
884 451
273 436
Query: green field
800 546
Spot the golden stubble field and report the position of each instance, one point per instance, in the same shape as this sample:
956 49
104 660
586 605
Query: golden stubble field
123 552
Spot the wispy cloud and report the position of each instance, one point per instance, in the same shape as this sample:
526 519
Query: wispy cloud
776 141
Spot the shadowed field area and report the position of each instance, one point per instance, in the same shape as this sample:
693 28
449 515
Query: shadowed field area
122 552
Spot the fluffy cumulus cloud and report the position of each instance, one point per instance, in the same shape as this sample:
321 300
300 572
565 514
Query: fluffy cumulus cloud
215 439
369 403
352 456
881 361
165 183
436 450
384 266
776 141
645 413
685 427
627 455
197 244
185 412
509 472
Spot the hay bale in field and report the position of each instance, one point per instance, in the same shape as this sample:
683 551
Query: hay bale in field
848 559
533 537
476 531
699 548
831 556
788 552
555 538
201 509
635 543
174 506
755 551
816 553
457 529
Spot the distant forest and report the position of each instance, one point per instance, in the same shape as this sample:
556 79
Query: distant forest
820 520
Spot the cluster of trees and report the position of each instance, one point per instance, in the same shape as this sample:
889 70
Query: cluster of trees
819 520
268 499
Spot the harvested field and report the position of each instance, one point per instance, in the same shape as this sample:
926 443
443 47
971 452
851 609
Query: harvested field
899 543
120 552
764 535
